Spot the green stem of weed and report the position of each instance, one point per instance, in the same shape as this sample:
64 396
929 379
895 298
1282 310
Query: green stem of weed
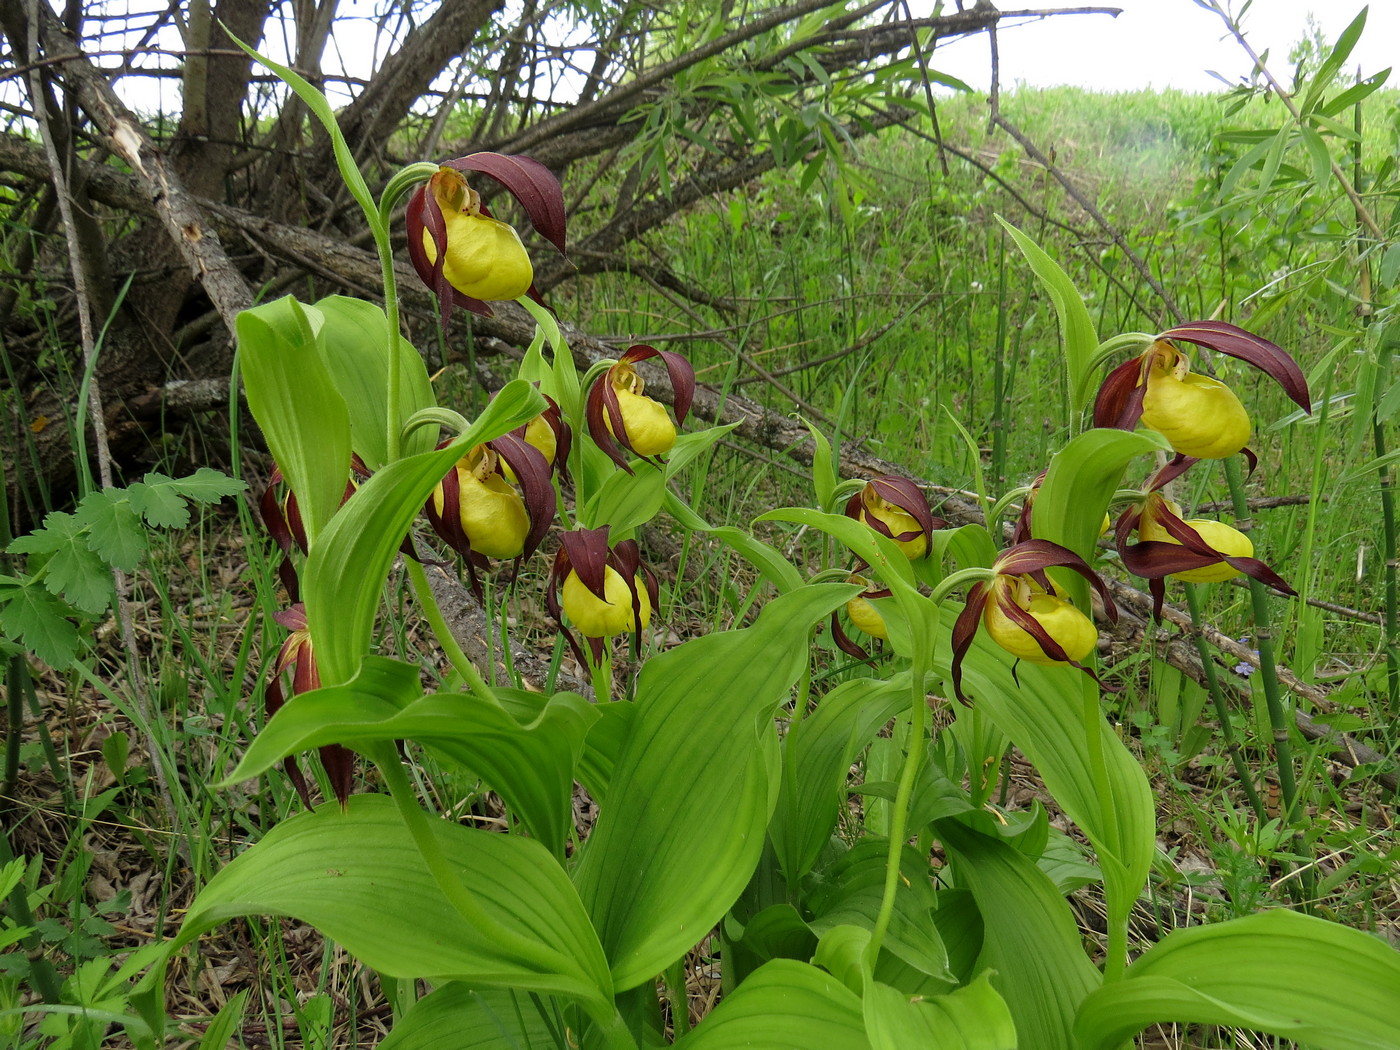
419 824
1386 487
1268 673
1222 708
41 972
428 602
899 817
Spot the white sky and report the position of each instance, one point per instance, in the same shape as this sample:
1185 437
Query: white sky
1165 43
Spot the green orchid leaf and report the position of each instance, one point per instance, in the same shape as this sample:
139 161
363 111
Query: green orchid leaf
850 892
973 1017
348 564
296 403
823 468
1049 713
354 344
704 715
1076 326
817 757
784 1004
530 765
1071 503
689 447
458 1016
1289 975
356 873
1031 941
321 107
625 502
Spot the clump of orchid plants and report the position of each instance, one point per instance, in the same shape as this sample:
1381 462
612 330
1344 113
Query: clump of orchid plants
622 417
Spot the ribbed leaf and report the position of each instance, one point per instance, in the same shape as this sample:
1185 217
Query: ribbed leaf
973 1017
1279 972
690 796
296 403
1031 941
530 765
358 877
785 1004
460 1017
1076 326
818 754
1052 715
354 343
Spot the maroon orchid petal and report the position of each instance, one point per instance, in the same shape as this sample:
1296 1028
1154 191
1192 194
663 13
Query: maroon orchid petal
1158 559
1118 405
626 558
1178 466
529 182
600 409
1256 569
424 213
587 551
678 368
1028 623
1033 557
964 631
1269 358
532 472
339 763
846 643
1253 461
908 497
447 523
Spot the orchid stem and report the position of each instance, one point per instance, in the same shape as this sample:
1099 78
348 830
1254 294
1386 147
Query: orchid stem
899 818
461 663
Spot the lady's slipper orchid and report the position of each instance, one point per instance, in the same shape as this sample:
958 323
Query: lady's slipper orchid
895 507
864 617
480 515
620 414
460 251
1023 614
603 590
1201 417
1198 550
297 656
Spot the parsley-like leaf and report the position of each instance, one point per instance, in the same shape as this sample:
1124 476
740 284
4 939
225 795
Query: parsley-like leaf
115 532
157 499
40 622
